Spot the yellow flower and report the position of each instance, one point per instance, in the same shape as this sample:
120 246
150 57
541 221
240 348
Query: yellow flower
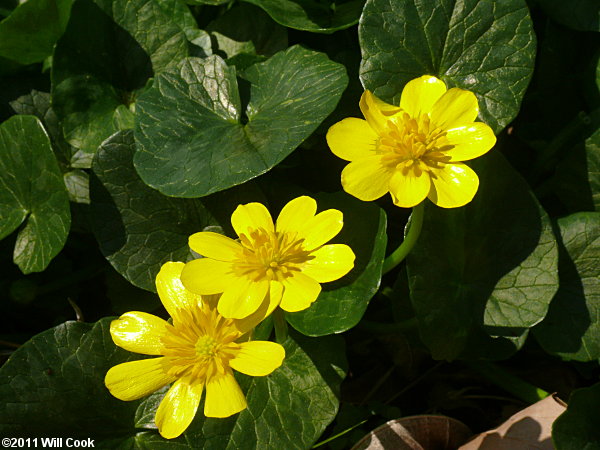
271 264
415 150
198 350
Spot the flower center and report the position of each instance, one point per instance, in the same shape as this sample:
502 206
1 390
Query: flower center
270 255
413 144
207 346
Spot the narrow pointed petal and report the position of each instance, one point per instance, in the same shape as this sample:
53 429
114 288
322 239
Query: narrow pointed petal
242 297
331 262
139 332
409 190
224 397
367 179
376 111
178 408
258 358
470 141
352 139
299 292
295 214
453 186
266 308
215 246
206 276
455 108
419 95
251 216
136 379
173 295
322 228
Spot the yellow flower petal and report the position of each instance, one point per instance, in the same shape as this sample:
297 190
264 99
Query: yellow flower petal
455 108
322 228
376 111
352 139
173 295
178 408
409 190
139 332
251 217
136 379
295 214
266 308
470 141
299 292
330 263
242 297
258 358
214 246
453 186
224 397
367 178
206 276
419 95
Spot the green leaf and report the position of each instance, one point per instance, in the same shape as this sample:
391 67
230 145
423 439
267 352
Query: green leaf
236 34
572 328
579 426
481 275
138 228
54 386
190 135
582 15
313 15
32 191
342 303
577 178
483 46
29 33
108 52
78 185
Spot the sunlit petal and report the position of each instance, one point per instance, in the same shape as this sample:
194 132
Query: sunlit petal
224 397
419 95
352 139
470 141
322 228
139 332
214 246
206 276
258 358
178 407
295 214
251 216
408 189
331 262
376 111
367 178
299 292
266 308
136 379
242 297
453 186
455 108
173 295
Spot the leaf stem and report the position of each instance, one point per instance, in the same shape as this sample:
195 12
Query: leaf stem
510 383
280 323
411 234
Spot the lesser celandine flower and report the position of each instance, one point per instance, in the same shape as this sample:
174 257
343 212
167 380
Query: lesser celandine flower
198 351
415 150
280 263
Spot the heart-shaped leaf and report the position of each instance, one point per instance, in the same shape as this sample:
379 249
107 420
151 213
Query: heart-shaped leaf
32 190
190 135
577 428
572 328
342 303
485 47
481 275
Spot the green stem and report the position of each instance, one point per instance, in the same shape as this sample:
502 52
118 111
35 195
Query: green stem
280 323
411 234
510 383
